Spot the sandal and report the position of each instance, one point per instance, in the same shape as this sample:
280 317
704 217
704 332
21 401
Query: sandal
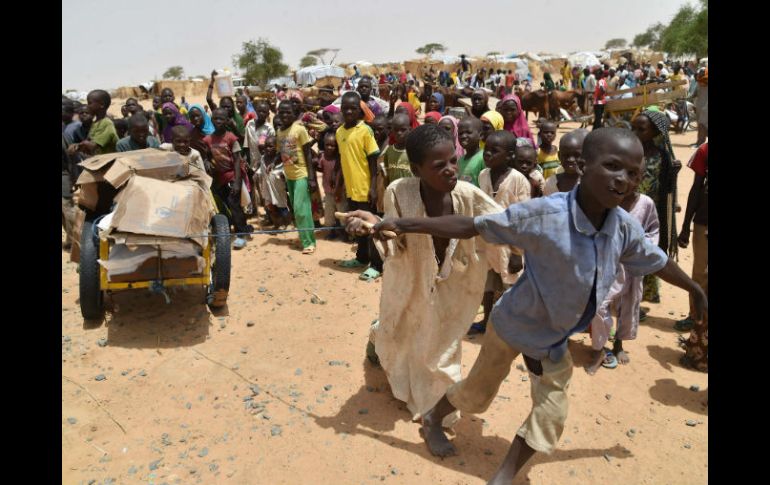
239 243
610 361
308 250
370 274
684 325
350 263
477 328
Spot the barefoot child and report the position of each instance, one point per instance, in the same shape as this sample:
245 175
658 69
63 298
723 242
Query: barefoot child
548 154
433 284
524 161
571 158
625 294
328 163
506 186
574 244
294 143
272 182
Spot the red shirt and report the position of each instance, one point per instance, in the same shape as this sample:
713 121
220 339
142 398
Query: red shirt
699 163
599 95
509 78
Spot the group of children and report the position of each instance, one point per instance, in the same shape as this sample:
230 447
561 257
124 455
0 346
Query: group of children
534 232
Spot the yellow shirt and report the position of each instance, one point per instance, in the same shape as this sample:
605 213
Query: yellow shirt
290 143
549 162
355 145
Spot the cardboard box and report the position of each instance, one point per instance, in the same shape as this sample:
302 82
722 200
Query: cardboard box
180 209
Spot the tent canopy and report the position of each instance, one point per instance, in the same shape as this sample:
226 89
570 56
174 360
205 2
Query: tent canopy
583 59
309 75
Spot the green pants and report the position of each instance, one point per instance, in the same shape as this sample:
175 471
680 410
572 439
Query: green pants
299 196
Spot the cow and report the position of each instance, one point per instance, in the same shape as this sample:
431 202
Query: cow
535 101
563 99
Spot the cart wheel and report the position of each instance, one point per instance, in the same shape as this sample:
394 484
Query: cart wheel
91 296
220 267
622 124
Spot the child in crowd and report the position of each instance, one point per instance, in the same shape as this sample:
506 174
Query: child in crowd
329 165
472 161
449 123
433 285
102 136
242 105
257 131
524 161
229 173
395 158
380 127
121 127
202 126
358 156
506 186
574 244
571 158
514 118
548 154
180 143
294 143
625 294
490 121
272 184
172 117
138 135
432 117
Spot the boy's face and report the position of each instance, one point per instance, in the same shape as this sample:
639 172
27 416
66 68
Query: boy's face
496 154
133 107
401 130
486 129
219 119
336 121
478 102
181 144
351 110
432 104
156 103
270 146
614 172
468 134
196 118
84 115
439 169
643 128
263 111
94 105
548 133
168 115
240 103
227 104
380 129
571 155
509 110
139 134
286 114
525 160
365 89
167 96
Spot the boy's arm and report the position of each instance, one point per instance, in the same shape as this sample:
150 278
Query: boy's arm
237 168
209 92
693 199
372 160
312 179
451 227
673 274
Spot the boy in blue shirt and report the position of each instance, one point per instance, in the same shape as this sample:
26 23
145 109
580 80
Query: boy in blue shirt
573 243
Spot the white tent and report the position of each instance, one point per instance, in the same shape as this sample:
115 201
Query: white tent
281 81
583 59
307 76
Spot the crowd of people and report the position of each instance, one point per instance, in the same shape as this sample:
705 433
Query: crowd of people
550 239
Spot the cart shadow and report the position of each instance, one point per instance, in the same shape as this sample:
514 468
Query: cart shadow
669 393
478 454
140 319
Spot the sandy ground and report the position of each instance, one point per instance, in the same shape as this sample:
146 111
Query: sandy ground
177 406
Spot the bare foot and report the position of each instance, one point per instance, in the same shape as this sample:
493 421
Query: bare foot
433 434
598 359
623 357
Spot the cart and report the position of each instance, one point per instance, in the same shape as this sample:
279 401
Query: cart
620 112
215 277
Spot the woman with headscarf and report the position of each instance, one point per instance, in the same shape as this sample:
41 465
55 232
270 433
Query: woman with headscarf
202 126
173 118
490 121
435 103
515 118
450 122
658 183
479 103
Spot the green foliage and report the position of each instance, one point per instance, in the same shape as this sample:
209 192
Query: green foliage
308 61
615 44
494 53
320 53
650 37
260 61
429 49
174 72
687 33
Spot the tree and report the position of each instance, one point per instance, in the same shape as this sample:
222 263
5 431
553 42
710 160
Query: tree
650 37
174 72
308 61
429 49
260 62
494 53
688 31
615 43
320 53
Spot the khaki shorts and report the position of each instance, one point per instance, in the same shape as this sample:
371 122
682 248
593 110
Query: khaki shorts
545 423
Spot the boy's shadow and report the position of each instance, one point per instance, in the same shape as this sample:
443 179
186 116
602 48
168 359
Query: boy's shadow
669 393
666 356
478 455
659 323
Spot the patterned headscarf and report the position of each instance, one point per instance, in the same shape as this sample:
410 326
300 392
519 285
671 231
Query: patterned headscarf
458 148
179 119
208 126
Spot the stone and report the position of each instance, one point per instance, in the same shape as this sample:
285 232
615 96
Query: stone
363 411
102 342
691 422
608 396
244 350
298 372
249 324
261 289
275 431
71 420
132 470
631 433
695 388
100 377
203 452
154 465
524 378
188 405
687 445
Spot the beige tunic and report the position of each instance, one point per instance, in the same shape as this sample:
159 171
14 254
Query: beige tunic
425 310
513 188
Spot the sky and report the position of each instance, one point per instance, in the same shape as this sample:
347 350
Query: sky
131 42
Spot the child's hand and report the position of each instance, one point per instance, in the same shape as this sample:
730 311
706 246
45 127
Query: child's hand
359 223
213 73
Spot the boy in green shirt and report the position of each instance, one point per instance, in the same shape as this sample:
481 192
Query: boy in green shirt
102 136
472 163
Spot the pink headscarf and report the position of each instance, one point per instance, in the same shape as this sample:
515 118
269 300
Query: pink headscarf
332 109
433 114
520 127
458 148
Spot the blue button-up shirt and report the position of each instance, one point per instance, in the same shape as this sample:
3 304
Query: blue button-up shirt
565 257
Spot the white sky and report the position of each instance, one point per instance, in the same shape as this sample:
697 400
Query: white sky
109 43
